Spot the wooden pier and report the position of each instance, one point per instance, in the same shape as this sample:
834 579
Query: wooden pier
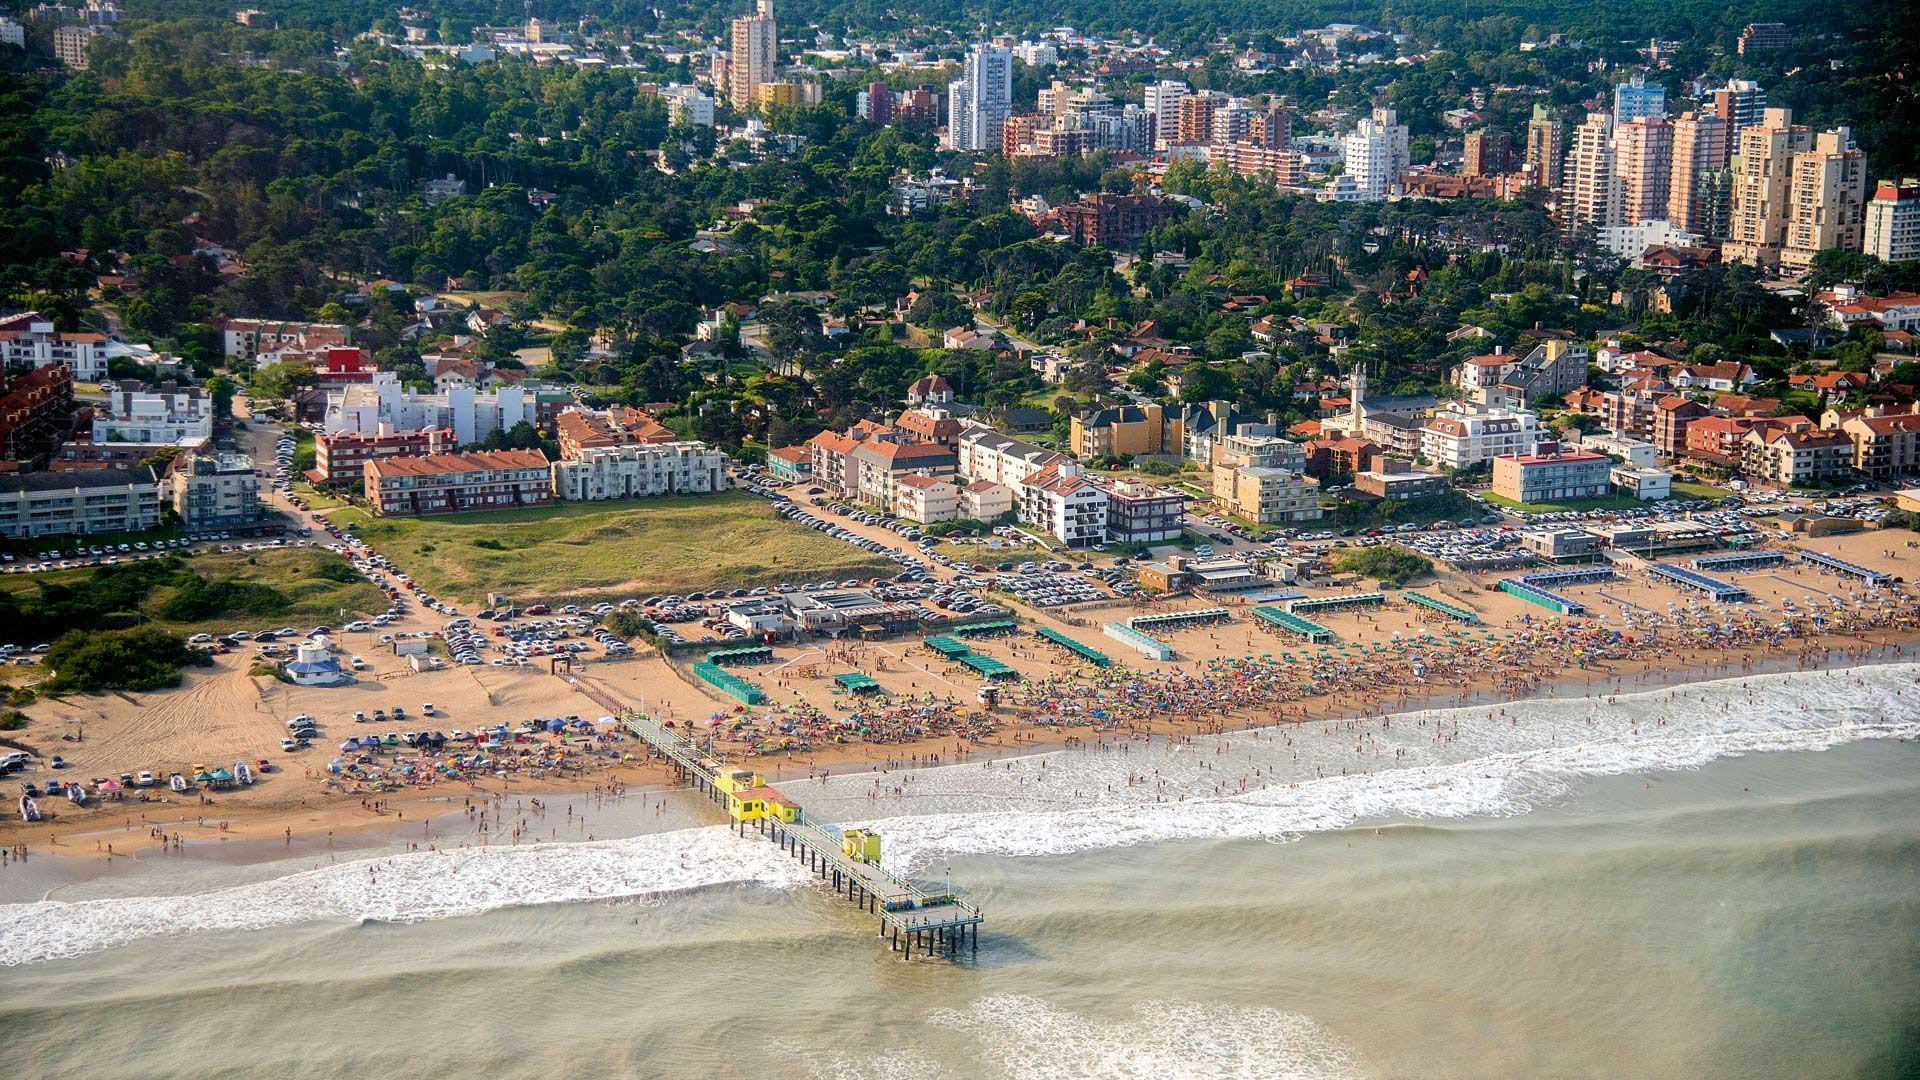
911 919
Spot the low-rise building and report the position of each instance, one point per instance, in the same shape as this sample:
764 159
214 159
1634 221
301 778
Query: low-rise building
984 500
34 343
1266 495
457 483
341 457
1394 479
790 464
1641 481
78 503
168 413
1561 545
1462 437
244 339
1884 446
1144 514
638 470
34 407
925 499
216 491
579 429
1063 502
1635 452
1551 474
986 454
1792 451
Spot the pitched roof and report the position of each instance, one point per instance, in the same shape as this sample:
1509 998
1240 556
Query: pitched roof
441 464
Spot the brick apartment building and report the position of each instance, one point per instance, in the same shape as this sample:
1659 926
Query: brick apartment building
1115 221
457 483
342 457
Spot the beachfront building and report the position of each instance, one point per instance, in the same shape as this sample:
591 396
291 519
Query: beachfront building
1643 482
341 457
1464 436
1144 514
1792 452
986 454
880 462
790 464
578 429
984 500
457 483
1884 446
314 664
925 499
155 415
216 491
78 503
639 470
1551 473
1396 481
1266 495
1063 502
471 414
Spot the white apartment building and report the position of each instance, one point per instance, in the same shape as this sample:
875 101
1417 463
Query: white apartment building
980 102
986 454
167 414
1064 503
925 499
638 470
756 40
39 345
1462 437
1893 221
687 106
78 503
1162 100
1376 155
470 414
245 339
1590 198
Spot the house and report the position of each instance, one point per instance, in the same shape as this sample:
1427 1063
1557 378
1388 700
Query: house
244 339
1063 502
930 390
966 337
931 425
1551 473
1727 376
458 482
1829 385
790 464
1552 368
579 429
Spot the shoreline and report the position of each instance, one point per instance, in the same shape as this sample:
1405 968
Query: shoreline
448 820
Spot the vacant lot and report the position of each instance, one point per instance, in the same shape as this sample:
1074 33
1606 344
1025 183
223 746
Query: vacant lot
238 591
587 549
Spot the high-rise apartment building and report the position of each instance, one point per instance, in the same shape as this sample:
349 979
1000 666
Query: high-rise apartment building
1193 117
1636 98
1162 100
1546 148
1741 103
1375 153
1762 171
1643 159
1590 196
1825 199
1794 193
1699 157
1486 152
1893 221
755 40
981 101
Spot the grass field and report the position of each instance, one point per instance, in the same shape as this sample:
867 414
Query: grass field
1692 489
293 572
585 549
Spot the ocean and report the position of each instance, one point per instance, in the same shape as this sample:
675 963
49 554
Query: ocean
1721 880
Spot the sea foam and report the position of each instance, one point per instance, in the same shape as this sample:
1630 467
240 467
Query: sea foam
1316 777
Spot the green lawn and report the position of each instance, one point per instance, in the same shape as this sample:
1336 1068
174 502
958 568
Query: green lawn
1608 502
1689 489
317 499
673 544
293 572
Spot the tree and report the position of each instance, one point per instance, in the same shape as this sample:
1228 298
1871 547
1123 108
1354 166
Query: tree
283 379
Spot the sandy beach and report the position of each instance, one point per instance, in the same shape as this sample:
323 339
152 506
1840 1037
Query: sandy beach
1637 632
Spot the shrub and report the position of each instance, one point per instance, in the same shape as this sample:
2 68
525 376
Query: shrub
13 720
202 599
21 696
1390 564
145 658
627 622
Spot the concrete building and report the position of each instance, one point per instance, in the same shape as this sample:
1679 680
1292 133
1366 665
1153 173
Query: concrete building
1063 502
1462 437
1636 98
168 413
1700 147
245 339
1643 158
457 483
1738 104
756 41
981 100
639 470
1553 367
1162 101
879 463
341 457
987 455
688 106
1551 474
1794 452
1630 451
470 413
925 499
1266 496
1375 154
1486 152
1794 194
35 344
577 429
1892 227
1127 429
1397 481
78 503
1590 195
35 407
216 491
71 44
1144 514
984 500
1884 446
1546 149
